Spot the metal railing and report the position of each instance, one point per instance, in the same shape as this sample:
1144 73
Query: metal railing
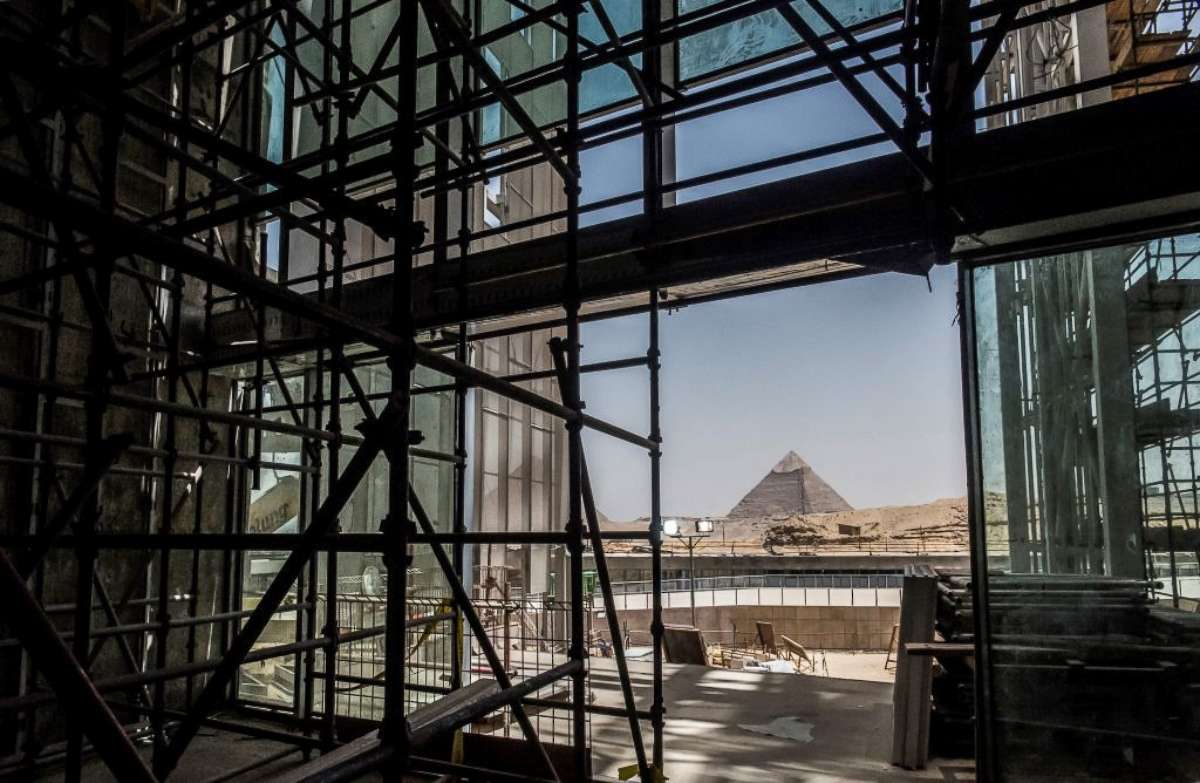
811 581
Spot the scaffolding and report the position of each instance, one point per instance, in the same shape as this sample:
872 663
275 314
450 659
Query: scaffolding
251 248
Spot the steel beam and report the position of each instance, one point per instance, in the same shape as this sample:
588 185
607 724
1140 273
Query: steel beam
1093 159
995 37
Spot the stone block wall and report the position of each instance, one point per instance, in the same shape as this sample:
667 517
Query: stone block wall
815 627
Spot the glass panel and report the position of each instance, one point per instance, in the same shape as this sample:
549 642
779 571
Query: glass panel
272 507
540 45
491 502
370 30
516 504
1088 416
757 36
609 84
516 452
537 506
362 578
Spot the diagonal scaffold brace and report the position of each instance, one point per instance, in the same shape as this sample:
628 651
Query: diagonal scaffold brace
467 608
558 350
323 522
29 623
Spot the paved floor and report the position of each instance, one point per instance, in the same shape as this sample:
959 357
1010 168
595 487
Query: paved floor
725 725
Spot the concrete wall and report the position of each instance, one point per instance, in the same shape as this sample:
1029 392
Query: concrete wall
816 627
129 503
634 567
766 596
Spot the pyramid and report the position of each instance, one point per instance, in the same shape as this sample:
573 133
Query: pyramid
792 487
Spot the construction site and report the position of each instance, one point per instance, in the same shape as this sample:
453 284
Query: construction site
294 448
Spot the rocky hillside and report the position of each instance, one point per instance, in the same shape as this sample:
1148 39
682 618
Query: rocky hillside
940 526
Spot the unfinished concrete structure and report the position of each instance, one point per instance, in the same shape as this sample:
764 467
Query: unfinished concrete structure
247 241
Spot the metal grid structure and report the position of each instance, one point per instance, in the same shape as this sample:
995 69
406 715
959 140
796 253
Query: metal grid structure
1162 274
132 275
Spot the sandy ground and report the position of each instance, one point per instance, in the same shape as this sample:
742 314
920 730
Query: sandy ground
866 666
938 526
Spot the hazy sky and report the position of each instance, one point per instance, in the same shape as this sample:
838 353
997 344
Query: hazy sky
859 377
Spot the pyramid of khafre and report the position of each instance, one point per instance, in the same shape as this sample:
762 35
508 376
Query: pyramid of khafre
792 487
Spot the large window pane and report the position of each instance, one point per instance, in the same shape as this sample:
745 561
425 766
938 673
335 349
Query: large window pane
1087 421
753 37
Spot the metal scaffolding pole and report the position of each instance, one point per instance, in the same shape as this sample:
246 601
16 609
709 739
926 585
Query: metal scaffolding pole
397 525
571 391
160 158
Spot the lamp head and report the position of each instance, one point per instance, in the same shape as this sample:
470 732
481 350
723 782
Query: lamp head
671 527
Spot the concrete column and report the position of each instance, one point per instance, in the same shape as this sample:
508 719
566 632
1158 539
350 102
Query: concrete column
1116 432
1089 28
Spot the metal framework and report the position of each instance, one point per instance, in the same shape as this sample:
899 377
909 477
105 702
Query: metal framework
180 269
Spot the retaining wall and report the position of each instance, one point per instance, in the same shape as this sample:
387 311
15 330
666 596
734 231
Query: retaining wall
815 627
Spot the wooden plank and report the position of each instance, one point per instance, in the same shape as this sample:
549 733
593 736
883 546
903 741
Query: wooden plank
794 647
957 649
766 635
684 644
914 674
891 648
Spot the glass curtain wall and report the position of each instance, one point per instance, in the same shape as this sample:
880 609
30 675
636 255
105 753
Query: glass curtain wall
1084 518
283 500
519 473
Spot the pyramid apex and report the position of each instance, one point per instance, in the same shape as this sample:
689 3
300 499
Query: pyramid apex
791 487
790 463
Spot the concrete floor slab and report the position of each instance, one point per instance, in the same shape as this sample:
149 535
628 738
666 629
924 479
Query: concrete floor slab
709 710
723 726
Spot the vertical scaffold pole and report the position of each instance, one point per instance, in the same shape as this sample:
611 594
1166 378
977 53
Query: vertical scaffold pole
657 709
335 368
405 143
571 301
329 622
100 366
652 189
441 232
44 453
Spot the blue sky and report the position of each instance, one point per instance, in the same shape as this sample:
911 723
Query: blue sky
860 377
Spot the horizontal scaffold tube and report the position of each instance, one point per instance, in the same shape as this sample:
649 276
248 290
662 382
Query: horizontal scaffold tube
35 198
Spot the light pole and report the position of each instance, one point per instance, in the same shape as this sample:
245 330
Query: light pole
703 528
